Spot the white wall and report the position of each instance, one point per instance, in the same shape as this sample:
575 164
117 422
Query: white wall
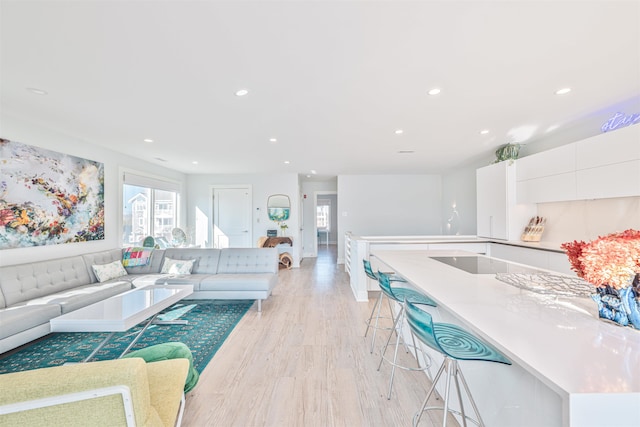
388 205
309 189
200 216
459 190
20 130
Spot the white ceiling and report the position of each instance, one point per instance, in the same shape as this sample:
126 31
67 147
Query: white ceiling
331 81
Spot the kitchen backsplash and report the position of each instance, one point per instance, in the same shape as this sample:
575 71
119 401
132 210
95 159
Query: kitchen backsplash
588 219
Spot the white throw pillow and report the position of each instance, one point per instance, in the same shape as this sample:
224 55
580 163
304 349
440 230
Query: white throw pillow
177 266
109 271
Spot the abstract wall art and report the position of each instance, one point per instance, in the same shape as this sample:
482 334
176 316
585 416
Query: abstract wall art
48 198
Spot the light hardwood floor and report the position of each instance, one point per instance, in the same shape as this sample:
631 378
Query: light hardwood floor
304 361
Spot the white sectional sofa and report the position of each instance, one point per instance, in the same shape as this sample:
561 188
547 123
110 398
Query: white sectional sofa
31 294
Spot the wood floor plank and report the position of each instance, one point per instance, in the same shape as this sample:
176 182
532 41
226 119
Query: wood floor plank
304 361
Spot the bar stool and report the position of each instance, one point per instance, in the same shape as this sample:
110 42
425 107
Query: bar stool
378 305
400 295
454 343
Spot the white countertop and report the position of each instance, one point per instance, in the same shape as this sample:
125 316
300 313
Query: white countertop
559 340
543 245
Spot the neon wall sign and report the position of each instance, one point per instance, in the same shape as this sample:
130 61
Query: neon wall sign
620 120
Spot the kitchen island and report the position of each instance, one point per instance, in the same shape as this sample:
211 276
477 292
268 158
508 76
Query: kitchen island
569 367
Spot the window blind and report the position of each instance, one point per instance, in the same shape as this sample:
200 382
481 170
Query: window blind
149 182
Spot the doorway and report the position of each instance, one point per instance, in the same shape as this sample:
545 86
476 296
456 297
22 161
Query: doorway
326 220
232 225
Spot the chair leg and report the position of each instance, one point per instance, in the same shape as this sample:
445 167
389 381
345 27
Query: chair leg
393 329
418 415
452 370
395 353
375 329
371 315
470 396
446 393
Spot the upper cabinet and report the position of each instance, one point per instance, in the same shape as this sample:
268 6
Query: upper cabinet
608 165
498 215
603 166
549 176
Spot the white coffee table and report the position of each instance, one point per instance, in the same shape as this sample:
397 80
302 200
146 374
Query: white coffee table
121 312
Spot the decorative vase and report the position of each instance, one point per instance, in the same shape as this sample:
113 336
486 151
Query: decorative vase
620 306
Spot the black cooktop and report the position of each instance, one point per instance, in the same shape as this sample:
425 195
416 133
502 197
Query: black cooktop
484 265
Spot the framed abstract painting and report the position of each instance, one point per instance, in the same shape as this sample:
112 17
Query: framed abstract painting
48 198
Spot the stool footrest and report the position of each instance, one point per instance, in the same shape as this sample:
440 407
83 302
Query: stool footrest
414 350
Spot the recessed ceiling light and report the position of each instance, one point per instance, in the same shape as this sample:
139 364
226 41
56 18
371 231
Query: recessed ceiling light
434 91
484 131
242 92
406 152
399 131
563 91
286 162
148 140
273 140
313 171
308 176
37 91
195 162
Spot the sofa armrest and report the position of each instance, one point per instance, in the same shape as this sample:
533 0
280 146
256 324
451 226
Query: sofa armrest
166 382
82 377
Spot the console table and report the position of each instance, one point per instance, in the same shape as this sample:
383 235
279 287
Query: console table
272 242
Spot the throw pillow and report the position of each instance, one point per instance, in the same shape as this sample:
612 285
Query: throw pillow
109 271
177 266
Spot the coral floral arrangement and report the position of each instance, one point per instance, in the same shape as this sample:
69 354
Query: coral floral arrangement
612 264
611 260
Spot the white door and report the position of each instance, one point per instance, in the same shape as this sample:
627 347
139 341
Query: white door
232 217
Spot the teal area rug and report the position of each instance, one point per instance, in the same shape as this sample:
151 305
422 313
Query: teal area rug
210 322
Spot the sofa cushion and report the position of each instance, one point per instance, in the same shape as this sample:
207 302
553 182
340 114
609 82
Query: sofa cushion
206 258
24 282
105 272
177 266
248 260
83 296
239 282
19 318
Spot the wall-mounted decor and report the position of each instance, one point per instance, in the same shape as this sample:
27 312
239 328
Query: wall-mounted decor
48 198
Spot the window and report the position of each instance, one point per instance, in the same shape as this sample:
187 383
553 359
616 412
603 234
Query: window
323 214
149 209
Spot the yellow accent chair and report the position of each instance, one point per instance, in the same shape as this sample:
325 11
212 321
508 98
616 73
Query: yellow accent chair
122 392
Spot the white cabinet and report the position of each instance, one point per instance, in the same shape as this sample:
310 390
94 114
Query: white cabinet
609 148
551 162
608 165
554 188
498 216
615 180
549 176
548 260
603 166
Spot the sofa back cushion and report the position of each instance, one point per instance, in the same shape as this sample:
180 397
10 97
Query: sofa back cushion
33 280
248 260
100 258
206 259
